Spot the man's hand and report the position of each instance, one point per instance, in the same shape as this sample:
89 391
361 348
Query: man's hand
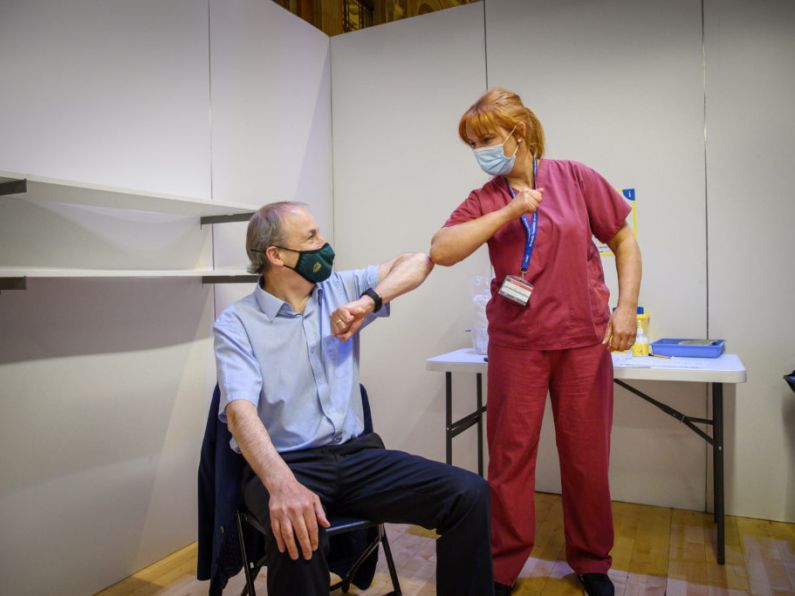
347 319
526 201
295 512
621 330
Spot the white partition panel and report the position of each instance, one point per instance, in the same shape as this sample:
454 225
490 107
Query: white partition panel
750 51
103 383
109 93
112 94
271 114
618 85
104 391
398 91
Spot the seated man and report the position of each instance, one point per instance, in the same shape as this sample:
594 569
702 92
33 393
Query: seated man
289 379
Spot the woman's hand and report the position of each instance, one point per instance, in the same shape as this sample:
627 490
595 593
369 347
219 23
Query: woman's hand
621 330
623 324
451 245
526 201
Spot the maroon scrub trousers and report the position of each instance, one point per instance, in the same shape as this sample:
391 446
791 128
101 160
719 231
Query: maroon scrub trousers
580 383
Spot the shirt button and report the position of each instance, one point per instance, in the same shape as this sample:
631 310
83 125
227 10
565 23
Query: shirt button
336 438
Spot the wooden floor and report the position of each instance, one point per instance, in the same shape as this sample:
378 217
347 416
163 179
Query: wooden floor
657 551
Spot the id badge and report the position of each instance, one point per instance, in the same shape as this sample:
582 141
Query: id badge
516 289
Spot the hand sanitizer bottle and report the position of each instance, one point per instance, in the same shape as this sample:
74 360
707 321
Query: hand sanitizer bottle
641 345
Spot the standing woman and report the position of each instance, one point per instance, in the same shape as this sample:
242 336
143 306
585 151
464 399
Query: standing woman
550 328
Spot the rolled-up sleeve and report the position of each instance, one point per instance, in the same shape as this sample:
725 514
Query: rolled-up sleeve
239 374
470 209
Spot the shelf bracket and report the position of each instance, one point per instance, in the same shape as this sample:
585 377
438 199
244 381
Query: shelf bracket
13 187
217 219
13 283
229 279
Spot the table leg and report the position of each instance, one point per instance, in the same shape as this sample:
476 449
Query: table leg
716 440
717 465
448 378
480 423
715 489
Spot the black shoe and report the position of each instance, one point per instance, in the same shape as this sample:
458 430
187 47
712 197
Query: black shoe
597 584
502 589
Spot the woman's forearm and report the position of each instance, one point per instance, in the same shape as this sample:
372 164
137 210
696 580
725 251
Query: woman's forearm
455 243
628 267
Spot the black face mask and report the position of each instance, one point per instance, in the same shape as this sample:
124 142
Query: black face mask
313 265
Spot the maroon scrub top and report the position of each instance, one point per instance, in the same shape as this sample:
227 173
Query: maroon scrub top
569 305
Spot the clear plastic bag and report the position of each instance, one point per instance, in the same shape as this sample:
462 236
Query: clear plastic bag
481 294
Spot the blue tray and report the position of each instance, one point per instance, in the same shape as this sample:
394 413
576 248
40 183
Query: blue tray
674 347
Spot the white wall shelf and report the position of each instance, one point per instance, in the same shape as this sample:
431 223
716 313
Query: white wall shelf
15 186
48 190
16 278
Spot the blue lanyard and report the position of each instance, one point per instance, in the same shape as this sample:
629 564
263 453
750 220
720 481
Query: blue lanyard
530 227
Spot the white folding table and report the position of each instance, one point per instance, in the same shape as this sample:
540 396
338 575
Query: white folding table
728 368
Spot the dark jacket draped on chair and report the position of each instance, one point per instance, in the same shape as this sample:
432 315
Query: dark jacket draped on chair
220 495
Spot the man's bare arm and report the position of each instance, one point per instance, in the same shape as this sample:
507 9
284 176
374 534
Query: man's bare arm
295 511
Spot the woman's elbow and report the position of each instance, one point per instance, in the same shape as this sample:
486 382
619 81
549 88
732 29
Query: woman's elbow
437 257
440 255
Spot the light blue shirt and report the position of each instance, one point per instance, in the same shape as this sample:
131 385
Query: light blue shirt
303 380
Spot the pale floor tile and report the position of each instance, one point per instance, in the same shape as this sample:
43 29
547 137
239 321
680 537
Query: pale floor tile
657 551
640 585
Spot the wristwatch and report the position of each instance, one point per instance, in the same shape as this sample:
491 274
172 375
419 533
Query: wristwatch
376 298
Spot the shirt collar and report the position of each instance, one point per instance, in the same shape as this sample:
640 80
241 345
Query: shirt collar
272 306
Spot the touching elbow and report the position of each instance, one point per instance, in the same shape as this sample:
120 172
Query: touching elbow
434 255
441 257
423 261
438 254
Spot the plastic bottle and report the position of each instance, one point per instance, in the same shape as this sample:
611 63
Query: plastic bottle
641 345
644 319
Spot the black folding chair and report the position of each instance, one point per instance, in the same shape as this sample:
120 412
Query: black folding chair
339 525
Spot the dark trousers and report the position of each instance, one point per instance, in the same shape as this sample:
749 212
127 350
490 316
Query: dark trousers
362 479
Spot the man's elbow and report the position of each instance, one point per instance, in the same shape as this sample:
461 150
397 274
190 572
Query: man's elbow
231 420
421 266
423 261
235 413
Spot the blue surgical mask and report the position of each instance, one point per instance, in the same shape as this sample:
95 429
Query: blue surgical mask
493 159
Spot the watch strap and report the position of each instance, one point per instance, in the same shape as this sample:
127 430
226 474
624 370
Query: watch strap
376 298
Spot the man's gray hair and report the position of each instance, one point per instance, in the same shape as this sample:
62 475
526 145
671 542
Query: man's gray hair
265 228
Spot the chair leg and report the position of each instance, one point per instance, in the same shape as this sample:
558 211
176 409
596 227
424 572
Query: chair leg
249 589
389 561
345 582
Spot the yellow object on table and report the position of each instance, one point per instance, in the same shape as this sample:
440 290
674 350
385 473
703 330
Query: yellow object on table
641 345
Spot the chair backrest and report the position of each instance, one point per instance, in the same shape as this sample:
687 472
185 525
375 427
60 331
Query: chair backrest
368 416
